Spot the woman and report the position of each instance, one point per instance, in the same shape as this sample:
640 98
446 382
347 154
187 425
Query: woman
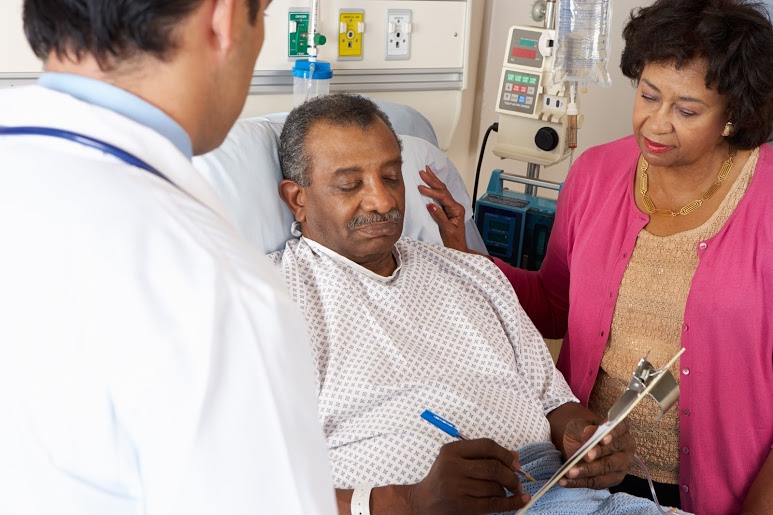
664 239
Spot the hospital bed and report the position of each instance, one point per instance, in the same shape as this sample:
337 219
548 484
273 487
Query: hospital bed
245 172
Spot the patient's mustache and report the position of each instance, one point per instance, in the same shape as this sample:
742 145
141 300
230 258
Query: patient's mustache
371 218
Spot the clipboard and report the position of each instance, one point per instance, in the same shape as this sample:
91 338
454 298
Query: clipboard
645 382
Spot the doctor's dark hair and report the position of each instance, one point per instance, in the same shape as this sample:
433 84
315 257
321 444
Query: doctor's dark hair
339 109
108 28
735 37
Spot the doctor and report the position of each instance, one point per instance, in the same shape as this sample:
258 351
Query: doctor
150 361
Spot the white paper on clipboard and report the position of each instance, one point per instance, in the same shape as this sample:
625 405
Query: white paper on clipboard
602 431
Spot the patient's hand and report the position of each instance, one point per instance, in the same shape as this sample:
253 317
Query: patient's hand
606 464
450 218
469 476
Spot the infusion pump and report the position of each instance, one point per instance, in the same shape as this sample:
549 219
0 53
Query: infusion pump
533 110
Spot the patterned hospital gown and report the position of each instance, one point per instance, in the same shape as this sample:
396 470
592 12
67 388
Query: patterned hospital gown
445 332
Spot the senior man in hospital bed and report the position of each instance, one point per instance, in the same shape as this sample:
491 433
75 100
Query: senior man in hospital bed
399 326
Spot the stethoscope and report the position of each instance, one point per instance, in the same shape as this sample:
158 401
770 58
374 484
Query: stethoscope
84 140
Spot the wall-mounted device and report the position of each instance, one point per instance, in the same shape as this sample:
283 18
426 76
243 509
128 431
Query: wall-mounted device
398 34
298 32
351 31
533 121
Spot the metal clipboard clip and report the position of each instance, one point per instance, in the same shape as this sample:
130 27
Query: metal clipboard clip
647 380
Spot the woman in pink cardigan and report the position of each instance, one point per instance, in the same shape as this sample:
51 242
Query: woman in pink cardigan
664 239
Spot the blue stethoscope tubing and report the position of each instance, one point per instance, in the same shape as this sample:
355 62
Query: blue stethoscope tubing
84 140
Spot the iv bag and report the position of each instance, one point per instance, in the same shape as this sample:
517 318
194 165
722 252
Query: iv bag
583 44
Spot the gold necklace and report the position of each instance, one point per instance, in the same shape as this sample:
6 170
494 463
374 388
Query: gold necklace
695 204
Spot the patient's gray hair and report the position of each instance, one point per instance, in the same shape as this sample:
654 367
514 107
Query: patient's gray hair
339 109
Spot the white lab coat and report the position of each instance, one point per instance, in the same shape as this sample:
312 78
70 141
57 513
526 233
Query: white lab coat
150 360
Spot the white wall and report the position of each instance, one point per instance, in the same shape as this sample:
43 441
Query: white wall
607 111
15 53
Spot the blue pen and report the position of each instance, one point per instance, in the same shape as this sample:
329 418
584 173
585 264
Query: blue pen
449 428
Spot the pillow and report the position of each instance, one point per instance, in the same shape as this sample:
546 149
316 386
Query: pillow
245 172
407 120
419 224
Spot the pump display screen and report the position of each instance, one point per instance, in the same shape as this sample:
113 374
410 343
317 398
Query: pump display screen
499 238
526 53
524 48
499 226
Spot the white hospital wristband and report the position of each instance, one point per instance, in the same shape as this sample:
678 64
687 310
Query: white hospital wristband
361 499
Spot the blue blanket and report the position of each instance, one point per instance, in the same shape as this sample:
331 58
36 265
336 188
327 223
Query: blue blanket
542 459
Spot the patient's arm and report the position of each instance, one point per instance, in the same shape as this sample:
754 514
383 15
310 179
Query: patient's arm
467 477
759 500
571 425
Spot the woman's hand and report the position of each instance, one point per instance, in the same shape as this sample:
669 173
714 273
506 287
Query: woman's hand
450 219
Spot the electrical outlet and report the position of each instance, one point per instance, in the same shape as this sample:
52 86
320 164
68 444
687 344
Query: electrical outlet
398 34
351 28
298 32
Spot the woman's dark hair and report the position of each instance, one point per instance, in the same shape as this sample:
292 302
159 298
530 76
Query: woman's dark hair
107 28
735 37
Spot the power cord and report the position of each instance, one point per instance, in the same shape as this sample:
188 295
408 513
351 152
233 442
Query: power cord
494 127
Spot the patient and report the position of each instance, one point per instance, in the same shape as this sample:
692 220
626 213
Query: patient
399 326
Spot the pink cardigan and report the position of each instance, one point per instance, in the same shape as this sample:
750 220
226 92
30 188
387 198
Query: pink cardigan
726 403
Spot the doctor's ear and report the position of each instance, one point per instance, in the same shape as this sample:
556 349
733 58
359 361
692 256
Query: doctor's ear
222 23
294 196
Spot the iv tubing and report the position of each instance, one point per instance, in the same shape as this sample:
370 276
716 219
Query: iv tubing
572 112
652 487
312 49
310 79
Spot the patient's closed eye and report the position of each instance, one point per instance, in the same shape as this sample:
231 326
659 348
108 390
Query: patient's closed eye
349 186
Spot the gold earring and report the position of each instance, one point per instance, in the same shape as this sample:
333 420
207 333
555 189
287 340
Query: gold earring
728 130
